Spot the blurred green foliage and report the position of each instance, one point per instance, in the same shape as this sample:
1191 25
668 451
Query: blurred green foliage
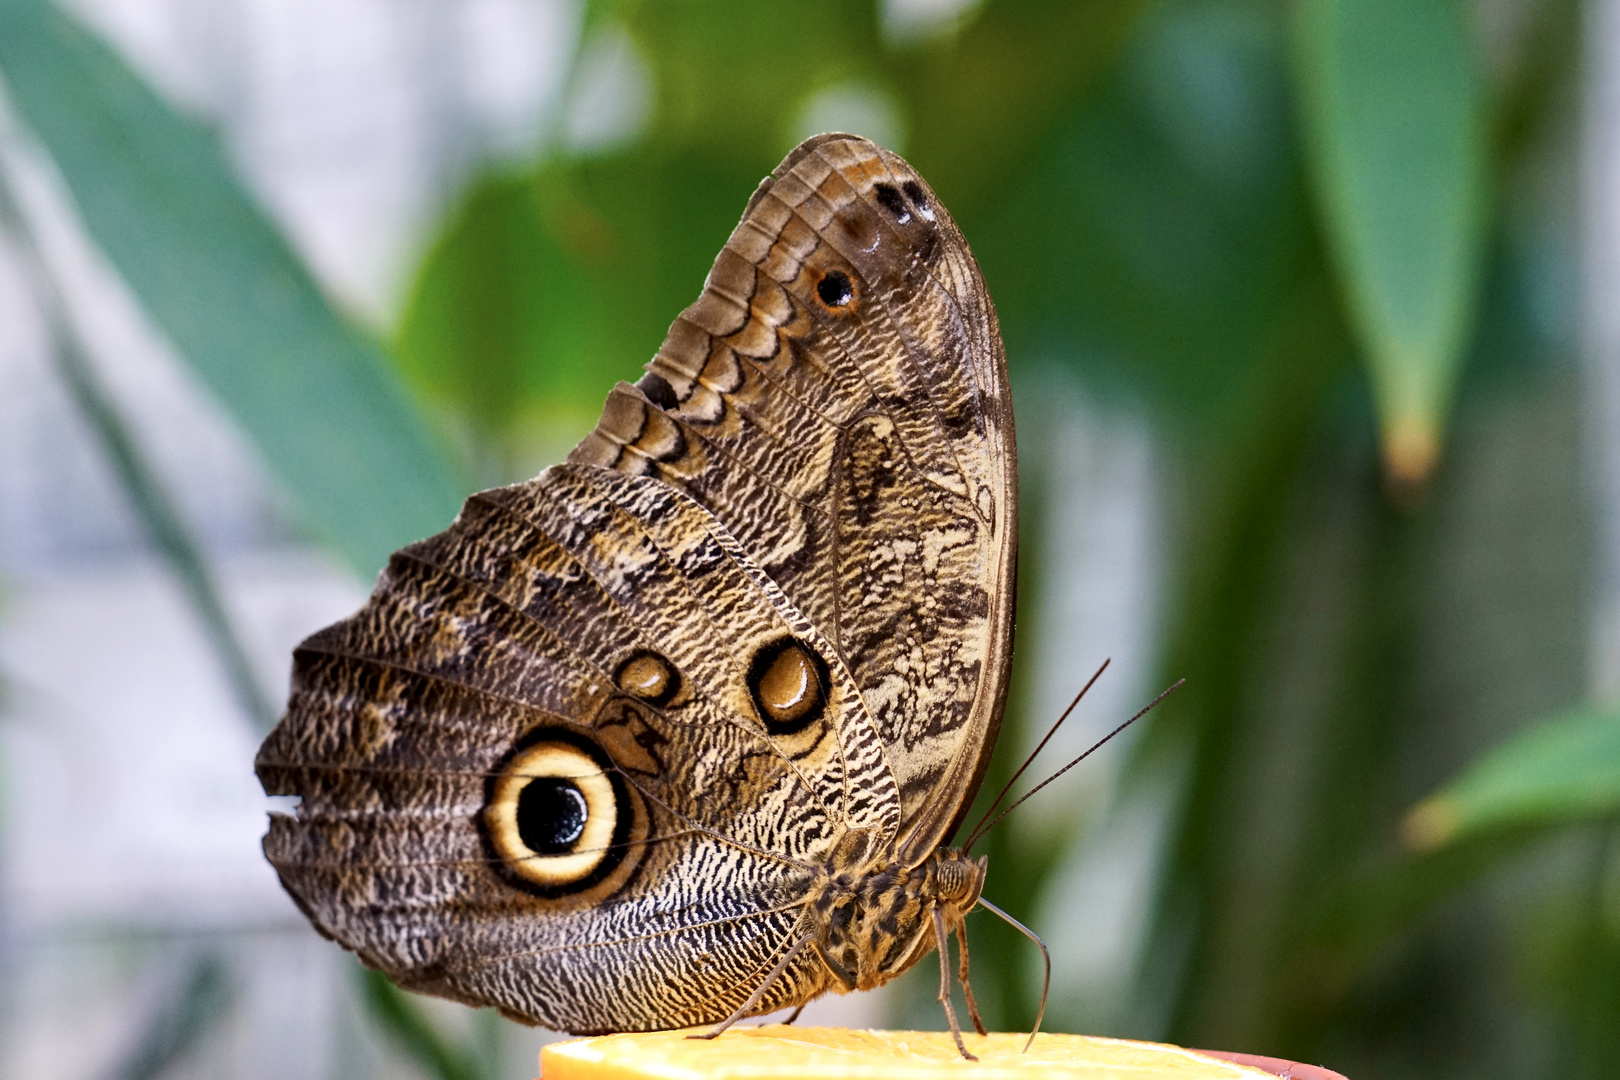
546 279
1317 246
1395 129
1562 771
180 1023
158 195
405 1023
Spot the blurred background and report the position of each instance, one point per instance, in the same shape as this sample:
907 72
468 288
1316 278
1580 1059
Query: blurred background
1313 314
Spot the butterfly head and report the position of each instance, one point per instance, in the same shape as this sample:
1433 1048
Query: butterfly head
957 879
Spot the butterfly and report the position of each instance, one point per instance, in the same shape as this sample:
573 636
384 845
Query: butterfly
679 731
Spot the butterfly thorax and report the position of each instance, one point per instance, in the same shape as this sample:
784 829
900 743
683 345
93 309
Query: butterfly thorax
875 922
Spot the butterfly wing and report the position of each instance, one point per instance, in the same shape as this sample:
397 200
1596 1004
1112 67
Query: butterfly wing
585 636
838 397
581 755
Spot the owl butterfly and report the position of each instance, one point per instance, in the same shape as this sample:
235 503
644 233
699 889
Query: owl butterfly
677 732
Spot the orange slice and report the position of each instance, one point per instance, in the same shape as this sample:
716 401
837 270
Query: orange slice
779 1052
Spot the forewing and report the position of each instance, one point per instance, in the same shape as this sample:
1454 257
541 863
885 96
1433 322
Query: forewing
838 397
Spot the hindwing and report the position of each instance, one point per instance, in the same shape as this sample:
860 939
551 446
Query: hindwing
543 618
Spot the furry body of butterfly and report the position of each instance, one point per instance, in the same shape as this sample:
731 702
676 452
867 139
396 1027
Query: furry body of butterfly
677 731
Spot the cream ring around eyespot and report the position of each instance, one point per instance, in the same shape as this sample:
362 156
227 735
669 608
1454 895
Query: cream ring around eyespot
555 760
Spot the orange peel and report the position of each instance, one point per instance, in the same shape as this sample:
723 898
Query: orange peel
779 1052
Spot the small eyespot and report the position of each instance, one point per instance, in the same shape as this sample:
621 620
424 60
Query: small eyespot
789 684
658 390
835 289
650 677
889 196
915 193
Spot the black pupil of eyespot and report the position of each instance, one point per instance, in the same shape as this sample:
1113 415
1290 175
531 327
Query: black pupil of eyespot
835 290
551 815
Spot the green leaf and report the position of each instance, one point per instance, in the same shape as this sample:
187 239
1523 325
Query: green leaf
1159 238
140 481
546 288
1354 923
1396 139
743 116
1562 771
156 192
982 101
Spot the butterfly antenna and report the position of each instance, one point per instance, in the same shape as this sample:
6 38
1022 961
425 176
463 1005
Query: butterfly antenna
1046 959
974 835
978 834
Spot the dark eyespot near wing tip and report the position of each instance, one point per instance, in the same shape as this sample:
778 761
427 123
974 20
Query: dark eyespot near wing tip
658 390
889 196
919 199
835 289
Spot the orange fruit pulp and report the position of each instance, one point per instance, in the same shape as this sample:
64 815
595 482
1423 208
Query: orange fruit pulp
779 1052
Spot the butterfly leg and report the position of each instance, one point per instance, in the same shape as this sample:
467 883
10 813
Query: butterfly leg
943 940
796 1013
746 1009
962 977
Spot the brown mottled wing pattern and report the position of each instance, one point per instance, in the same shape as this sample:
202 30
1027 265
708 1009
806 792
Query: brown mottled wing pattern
861 452
514 621
585 755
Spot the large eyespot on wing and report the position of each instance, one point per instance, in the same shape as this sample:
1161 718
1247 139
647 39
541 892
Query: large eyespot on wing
568 662
560 819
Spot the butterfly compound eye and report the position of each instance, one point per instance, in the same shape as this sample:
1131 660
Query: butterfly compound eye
788 681
557 815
